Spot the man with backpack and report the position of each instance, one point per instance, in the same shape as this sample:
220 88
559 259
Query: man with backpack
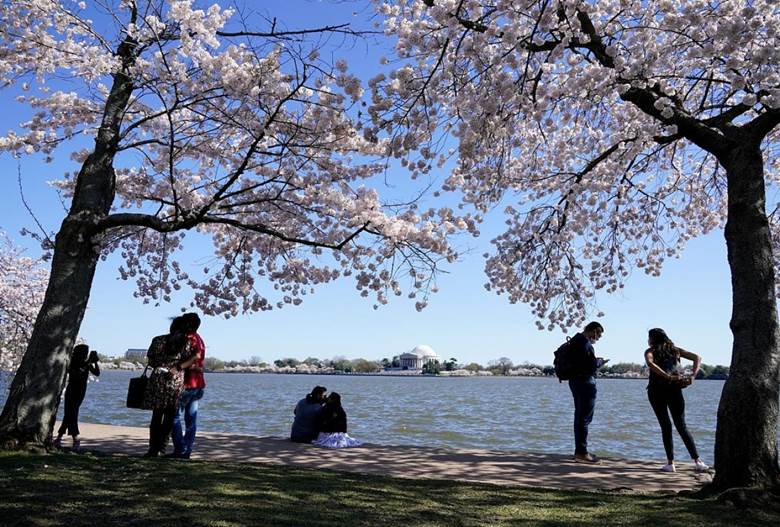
576 362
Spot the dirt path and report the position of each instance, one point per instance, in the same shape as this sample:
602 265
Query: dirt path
483 466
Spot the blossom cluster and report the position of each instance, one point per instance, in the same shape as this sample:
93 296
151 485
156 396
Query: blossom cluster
23 283
244 137
579 119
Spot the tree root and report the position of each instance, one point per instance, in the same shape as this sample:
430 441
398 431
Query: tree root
751 497
15 445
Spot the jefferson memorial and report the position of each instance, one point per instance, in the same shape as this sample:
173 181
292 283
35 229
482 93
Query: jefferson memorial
415 359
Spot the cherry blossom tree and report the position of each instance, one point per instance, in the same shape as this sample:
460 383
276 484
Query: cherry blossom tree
611 133
186 119
22 285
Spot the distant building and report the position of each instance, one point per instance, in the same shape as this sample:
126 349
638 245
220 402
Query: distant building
420 355
135 354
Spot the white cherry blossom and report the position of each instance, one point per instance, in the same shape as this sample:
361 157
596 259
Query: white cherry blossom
610 132
545 112
22 285
186 121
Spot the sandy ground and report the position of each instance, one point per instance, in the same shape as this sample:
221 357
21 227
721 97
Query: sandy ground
482 466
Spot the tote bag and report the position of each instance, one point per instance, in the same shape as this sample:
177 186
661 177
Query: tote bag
136 391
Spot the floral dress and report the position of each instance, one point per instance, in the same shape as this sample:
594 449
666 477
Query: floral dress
167 381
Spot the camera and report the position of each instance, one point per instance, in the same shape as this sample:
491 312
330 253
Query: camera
93 356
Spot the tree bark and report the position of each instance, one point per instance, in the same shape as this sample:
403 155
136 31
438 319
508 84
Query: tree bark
746 437
31 408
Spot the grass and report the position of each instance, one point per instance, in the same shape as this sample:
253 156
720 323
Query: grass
88 489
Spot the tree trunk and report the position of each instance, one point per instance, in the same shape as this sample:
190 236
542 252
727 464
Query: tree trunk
31 408
746 436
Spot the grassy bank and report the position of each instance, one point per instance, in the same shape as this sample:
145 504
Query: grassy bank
85 489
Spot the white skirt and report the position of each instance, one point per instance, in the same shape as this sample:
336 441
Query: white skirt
335 440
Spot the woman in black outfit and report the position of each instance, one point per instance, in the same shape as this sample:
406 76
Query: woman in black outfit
333 418
82 363
665 393
332 425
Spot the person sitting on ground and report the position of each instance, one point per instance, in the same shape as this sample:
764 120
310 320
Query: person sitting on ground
304 427
82 363
332 424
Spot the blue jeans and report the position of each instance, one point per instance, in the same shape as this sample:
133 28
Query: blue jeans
584 392
188 405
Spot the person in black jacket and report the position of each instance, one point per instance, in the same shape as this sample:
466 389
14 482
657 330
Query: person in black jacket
583 386
332 418
332 425
82 363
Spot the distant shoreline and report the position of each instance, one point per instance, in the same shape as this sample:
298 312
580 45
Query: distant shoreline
402 373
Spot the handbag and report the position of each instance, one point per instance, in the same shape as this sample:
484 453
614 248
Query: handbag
685 381
136 391
681 381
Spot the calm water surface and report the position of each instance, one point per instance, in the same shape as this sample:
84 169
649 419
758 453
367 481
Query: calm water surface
502 413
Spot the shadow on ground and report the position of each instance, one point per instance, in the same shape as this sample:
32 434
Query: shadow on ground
112 489
483 466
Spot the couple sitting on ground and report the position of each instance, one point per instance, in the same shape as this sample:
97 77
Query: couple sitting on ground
321 421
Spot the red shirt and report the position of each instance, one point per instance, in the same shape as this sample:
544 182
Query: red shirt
193 378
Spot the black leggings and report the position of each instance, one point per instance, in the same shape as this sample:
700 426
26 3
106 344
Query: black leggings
70 419
666 400
160 428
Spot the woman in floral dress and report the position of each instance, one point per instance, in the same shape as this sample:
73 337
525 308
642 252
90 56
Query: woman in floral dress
168 356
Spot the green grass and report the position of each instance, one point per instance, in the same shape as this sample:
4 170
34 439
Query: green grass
86 489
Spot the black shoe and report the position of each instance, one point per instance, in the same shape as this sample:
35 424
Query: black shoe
177 455
151 453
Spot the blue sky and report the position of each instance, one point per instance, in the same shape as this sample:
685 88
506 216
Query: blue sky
691 300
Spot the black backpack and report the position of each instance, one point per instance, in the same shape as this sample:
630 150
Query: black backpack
563 363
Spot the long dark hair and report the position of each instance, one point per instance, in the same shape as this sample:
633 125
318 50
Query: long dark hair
332 407
333 400
177 337
662 346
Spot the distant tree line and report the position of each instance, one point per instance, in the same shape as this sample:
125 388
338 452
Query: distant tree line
500 366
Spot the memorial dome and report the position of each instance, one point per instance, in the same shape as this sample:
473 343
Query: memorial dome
425 351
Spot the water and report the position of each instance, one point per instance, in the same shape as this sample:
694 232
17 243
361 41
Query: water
501 413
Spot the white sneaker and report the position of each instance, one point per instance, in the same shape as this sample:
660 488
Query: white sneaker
668 468
700 466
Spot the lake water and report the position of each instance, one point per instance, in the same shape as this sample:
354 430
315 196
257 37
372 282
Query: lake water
502 413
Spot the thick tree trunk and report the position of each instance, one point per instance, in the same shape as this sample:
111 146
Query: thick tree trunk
31 408
746 438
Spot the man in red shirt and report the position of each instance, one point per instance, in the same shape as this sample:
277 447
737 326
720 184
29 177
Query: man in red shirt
194 383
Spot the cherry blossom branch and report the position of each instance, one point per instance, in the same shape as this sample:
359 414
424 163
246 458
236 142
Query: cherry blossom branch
27 206
468 24
160 225
340 28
